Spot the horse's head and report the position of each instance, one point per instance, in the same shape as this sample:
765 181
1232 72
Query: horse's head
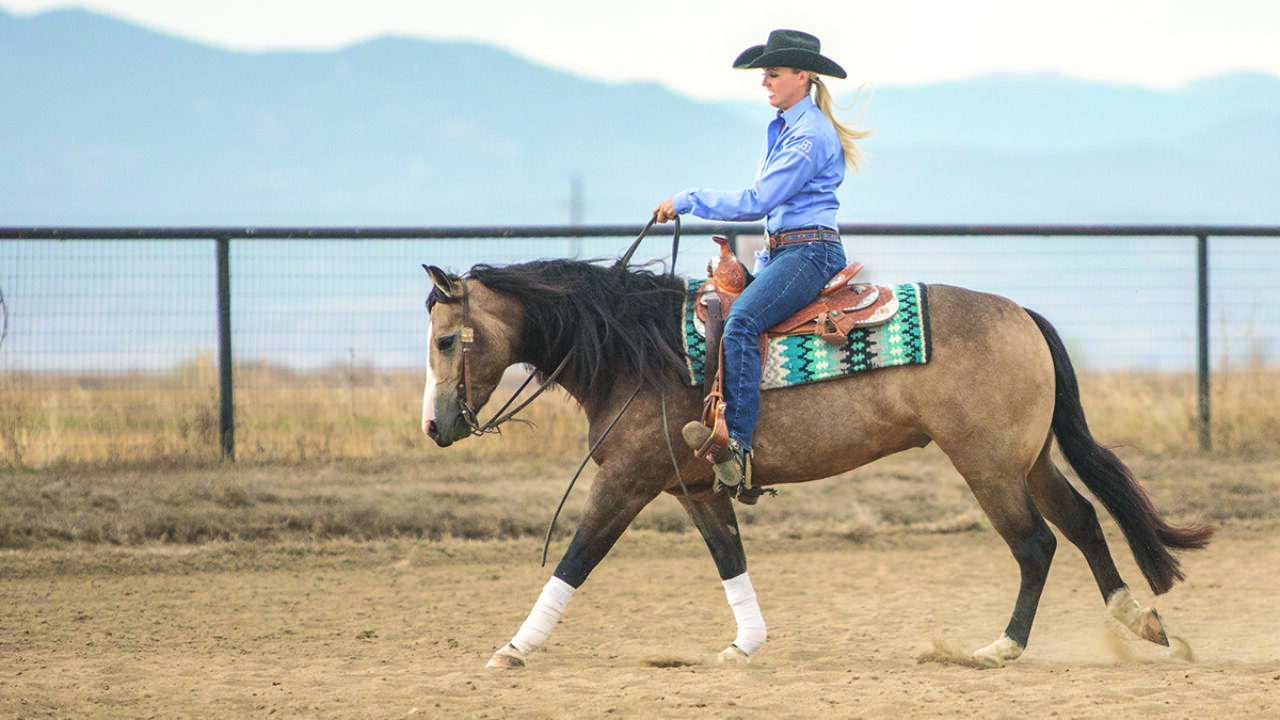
473 337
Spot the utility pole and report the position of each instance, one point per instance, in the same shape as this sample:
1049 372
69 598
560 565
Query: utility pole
575 211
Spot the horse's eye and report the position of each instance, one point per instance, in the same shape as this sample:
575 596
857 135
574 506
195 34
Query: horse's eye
446 342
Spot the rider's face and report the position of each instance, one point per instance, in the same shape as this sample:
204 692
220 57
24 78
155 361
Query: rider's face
786 86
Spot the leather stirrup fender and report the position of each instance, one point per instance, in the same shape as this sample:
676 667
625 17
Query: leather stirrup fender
715 331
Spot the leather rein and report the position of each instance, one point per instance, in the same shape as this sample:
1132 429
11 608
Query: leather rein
467 336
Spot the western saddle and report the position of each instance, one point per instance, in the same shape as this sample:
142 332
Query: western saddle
841 306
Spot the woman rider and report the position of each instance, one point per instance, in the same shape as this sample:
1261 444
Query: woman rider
803 162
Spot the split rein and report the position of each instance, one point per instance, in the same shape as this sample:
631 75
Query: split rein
467 336
469 414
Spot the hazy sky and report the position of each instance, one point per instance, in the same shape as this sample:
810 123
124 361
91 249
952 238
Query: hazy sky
688 45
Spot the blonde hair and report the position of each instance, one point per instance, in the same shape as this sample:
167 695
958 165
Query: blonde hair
849 135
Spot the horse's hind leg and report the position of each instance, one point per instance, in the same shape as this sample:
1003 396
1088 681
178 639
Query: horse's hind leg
1013 514
712 513
1075 516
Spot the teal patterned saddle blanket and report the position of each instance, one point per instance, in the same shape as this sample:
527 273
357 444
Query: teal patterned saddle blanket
798 359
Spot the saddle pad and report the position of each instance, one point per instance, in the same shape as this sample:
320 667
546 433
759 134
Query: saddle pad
903 340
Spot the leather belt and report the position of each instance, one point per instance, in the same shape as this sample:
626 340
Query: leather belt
812 234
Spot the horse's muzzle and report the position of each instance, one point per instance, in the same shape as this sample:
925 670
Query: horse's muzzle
446 428
440 437
433 432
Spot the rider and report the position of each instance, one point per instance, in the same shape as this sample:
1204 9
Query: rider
803 162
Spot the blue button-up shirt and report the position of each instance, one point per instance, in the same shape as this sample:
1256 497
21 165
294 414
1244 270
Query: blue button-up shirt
800 169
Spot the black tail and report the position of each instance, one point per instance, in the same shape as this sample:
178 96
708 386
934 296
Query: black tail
1150 536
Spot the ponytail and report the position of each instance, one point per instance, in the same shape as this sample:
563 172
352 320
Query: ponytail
853 155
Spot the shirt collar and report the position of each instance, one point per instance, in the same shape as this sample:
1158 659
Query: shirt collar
794 112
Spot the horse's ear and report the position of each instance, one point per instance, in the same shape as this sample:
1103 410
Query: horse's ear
447 284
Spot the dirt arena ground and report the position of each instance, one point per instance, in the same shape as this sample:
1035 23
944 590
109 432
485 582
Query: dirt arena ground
403 629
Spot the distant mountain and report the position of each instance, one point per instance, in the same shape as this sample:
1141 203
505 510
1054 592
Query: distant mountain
108 123
122 125
1048 113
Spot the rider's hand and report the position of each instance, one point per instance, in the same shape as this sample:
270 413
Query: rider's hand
665 212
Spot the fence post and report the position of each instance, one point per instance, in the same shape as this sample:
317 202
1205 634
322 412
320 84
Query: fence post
1202 339
227 421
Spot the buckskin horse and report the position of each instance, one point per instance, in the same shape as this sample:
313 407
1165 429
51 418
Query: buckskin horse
997 390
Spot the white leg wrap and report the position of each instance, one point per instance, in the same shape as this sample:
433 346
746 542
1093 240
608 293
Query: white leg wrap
999 652
746 611
1143 622
1124 607
546 613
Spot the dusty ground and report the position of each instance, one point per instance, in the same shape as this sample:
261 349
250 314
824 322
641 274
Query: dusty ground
399 629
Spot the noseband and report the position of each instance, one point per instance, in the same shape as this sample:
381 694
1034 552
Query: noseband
467 336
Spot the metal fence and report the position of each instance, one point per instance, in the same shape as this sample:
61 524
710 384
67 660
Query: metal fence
202 313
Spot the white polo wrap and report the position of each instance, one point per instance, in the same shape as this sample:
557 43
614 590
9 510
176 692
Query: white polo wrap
746 611
542 619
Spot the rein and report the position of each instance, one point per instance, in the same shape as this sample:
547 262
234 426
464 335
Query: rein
622 265
467 335
675 244
546 543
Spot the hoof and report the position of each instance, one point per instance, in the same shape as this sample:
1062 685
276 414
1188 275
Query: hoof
506 658
998 653
1143 622
732 655
1148 627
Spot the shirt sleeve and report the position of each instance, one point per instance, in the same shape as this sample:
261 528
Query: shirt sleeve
785 173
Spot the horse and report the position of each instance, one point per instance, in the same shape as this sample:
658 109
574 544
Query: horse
998 390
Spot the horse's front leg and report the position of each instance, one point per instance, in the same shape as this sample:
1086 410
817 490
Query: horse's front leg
714 517
611 506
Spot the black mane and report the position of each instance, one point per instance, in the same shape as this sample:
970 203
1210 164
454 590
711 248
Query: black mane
617 323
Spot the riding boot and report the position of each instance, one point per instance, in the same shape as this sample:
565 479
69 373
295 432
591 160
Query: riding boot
734 470
732 466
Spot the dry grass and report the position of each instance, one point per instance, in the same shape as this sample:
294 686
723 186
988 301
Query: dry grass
281 416
1157 413
339 454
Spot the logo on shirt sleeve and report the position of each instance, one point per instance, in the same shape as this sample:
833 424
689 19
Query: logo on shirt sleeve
804 147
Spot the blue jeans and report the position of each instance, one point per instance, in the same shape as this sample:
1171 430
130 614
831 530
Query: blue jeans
792 278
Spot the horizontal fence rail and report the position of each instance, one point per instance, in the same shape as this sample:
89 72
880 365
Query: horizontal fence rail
258 268
569 231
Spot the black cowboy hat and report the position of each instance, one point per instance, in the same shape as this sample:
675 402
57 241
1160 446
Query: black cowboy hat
793 49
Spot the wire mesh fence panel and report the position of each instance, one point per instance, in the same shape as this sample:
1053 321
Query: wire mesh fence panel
1119 303
107 351
1244 302
109 347
329 342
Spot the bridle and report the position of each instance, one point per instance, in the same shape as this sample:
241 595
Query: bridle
467 336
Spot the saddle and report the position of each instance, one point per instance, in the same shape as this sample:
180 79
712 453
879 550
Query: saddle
840 306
